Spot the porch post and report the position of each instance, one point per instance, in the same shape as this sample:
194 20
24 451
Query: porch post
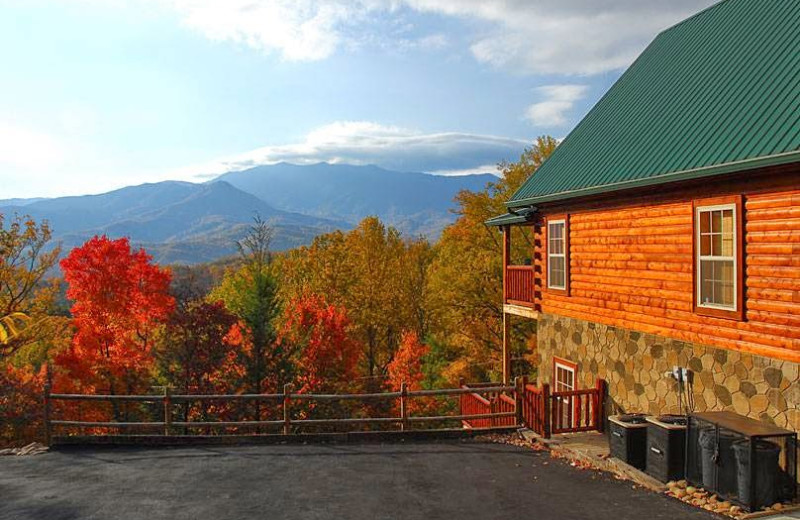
506 356
506 259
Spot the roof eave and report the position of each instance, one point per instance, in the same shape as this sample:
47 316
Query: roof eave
684 175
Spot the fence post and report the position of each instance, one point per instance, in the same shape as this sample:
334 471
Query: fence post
403 406
47 388
461 397
546 410
599 412
519 389
167 410
287 419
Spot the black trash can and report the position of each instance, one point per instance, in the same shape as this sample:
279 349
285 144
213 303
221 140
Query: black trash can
718 461
766 472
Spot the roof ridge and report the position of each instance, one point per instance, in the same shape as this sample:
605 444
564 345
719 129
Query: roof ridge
695 15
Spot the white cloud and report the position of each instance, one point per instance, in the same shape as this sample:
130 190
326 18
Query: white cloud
391 147
28 149
530 36
558 100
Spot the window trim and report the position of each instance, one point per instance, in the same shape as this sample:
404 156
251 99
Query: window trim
737 312
557 219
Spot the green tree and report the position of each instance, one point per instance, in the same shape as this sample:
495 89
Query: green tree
465 277
250 292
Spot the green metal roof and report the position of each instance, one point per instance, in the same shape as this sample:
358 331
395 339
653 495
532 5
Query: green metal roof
506 219
716 93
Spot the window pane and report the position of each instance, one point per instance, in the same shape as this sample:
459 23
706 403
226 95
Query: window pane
707 281
556 272
724 272
705 223
705 245
716 221
717 282
727 232
716 244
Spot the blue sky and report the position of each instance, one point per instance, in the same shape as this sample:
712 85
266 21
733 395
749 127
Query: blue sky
99 94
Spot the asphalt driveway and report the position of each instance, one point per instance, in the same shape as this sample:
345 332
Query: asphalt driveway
431 480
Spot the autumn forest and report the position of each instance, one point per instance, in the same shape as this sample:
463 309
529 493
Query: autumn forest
355 311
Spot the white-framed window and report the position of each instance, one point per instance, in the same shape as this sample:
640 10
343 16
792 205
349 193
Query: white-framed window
716 256
556 254
564 381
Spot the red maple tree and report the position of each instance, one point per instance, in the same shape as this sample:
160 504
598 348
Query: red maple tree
407 367
119 297
327 356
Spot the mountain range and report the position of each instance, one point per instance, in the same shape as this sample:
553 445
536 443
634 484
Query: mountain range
183 222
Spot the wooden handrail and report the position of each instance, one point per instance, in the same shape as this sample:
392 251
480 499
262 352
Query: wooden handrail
168 399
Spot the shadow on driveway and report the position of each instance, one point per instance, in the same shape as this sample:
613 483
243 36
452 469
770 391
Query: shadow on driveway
431 480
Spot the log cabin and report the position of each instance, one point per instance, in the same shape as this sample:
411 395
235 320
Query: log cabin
665 228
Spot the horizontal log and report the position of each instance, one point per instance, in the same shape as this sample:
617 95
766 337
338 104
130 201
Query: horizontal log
496 415
628 223
355 420
790 308
773 213
343 397
665 248
774 318
767 282
664 210
773 271
459 391
789 225
619 279
626 256
755 248
226 424
773 295
773 237
226 397
774 260
624 265
107 424
682 237
705 326
100 397
642 231
644 301
785 199
641 274
631 289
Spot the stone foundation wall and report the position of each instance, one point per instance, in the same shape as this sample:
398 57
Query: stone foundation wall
633 365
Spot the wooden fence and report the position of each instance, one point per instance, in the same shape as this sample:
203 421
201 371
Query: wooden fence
504 414
543 411
483 405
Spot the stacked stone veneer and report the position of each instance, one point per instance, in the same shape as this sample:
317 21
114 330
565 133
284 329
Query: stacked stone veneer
633 365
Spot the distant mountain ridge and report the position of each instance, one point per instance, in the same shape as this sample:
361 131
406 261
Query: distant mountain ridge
183 222
415 203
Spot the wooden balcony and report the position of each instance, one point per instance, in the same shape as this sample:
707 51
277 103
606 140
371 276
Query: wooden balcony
519 285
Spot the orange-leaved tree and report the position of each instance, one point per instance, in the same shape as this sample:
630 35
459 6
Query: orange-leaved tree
319 335
408 367
119 298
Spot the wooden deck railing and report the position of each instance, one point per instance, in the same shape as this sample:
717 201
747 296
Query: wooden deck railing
519 284
535 409
488 415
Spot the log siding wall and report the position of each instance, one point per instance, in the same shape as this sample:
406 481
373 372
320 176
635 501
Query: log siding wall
632 267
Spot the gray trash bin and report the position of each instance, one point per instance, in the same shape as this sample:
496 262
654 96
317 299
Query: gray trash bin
717 461
766 472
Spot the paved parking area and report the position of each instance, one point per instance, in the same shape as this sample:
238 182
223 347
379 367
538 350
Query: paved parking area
426 480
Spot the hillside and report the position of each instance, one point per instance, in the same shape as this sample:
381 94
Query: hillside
416 203
176 221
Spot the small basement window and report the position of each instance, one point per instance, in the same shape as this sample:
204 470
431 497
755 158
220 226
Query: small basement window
718 290
557 254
